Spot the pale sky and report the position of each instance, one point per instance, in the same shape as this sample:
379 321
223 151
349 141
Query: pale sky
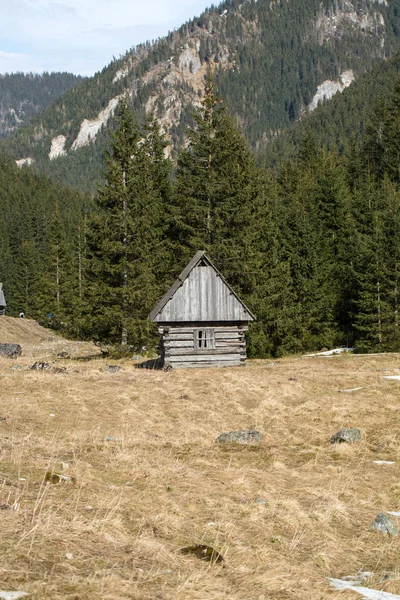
82 36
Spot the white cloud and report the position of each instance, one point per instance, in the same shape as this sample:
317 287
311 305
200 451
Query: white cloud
83 35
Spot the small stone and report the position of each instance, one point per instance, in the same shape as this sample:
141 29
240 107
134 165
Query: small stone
16 367
10 350
349 435
112 369
57 478
40 366
385 525
69 556
63 354
204 553
240 437
261 501
64 466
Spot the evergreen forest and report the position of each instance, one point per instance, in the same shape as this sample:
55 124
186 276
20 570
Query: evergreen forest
312 247
26 95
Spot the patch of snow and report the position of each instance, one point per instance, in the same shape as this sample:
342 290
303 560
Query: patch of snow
349 391
393 513
333 352
25 161
121 74
12 595
89 129
57 147
384 462
329 88
392 377
366 593
224 13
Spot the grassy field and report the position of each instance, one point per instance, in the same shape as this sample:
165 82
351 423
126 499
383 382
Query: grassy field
286 515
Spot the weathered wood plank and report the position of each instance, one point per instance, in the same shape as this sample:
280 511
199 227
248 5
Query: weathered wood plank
204 357
208 352
208 365
216 326
179 337
203 296
179 344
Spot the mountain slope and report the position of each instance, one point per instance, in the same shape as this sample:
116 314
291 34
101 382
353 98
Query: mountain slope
342 120
23 96
273 62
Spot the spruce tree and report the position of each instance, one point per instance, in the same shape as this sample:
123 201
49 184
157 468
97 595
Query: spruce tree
125 236
226 206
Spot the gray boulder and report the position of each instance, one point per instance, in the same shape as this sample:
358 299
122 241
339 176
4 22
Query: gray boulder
40 366
349 435
112 369
10 350
385 525
240 437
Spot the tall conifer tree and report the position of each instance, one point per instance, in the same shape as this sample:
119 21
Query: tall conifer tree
126 233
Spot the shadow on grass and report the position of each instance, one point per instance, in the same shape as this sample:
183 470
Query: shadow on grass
87 358
155 364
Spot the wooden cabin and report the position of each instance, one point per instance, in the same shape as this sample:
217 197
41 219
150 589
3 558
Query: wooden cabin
2 301
201 319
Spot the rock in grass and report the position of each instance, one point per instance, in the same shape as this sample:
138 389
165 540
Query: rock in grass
204 553
10 350
385 525
240 437
112 369
57 478
349 435
40 366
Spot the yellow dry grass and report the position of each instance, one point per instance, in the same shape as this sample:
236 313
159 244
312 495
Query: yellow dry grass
163 483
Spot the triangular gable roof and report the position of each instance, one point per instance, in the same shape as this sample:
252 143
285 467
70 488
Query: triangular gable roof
196 260
2 299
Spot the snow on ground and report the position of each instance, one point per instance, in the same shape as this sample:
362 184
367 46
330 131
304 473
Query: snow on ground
89 129
333 352
57 147
329 88
366 593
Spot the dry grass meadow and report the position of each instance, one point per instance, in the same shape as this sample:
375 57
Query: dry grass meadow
162 483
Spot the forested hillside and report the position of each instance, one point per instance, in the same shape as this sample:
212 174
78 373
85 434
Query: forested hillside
273 62
41 224
314 250
24 96
342 122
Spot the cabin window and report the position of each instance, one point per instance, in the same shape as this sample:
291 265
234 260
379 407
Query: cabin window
204 339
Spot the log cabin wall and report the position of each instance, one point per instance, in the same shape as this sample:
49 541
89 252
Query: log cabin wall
204 344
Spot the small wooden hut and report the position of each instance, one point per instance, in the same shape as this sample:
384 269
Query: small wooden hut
2 301
201 319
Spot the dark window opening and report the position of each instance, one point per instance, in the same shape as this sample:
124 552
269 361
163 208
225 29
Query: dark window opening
204 339
203 263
